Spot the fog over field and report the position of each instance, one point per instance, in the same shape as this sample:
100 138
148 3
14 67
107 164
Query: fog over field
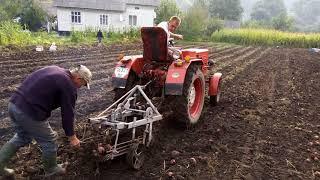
305 14
246 4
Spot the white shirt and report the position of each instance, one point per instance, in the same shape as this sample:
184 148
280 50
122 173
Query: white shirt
165 25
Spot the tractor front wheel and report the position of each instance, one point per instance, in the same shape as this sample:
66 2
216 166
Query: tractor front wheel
189 106
215 99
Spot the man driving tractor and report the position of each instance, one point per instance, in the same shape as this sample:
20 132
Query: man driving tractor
171 26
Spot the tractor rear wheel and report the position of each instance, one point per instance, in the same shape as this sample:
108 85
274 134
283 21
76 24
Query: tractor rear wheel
188 107
131 82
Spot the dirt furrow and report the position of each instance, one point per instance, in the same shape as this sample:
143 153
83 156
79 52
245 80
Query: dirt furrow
32 56
66 62
38 63
243 125
89 55
225 61
265 127
225 51
238 67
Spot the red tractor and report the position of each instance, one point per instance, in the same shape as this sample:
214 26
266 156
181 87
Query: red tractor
177 75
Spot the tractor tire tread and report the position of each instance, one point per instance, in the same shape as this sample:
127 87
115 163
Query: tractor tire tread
180 103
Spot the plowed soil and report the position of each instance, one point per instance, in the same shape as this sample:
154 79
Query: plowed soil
266 126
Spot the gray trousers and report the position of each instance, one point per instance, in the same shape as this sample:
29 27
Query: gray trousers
27 129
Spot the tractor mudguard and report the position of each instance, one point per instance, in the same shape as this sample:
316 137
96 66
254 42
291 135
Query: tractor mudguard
175 77
214 83
124 67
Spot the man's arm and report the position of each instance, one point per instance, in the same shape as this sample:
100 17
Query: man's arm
68 100
176 36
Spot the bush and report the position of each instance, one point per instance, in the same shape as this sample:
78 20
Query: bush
13 34
214 25
194 23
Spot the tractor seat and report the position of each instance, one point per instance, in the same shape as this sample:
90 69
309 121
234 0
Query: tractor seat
155 45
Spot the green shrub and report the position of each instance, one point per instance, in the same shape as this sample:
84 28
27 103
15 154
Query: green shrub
214 24
13 34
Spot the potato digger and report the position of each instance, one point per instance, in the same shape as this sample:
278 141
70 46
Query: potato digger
176 76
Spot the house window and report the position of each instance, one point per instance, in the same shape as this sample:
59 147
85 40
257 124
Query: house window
132 20
103 19
75 17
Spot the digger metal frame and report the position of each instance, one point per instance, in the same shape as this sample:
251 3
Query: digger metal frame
115 121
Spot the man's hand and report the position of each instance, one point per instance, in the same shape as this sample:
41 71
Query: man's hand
176 36
74 141
179 36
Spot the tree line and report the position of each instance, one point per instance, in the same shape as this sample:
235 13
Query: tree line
202 19
26 12
206 16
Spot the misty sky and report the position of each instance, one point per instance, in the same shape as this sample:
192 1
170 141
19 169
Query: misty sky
246 4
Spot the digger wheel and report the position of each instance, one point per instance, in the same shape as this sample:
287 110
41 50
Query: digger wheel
131 82
189 106
135 157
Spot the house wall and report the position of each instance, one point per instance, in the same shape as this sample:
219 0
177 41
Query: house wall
145 15
90 18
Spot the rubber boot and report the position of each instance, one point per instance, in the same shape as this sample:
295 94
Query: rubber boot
51 168
6 153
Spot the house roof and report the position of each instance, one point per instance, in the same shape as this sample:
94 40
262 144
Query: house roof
144 2
111 5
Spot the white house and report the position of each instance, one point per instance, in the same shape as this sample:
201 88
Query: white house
104 14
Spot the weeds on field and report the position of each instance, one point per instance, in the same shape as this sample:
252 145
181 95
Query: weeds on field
267 38
12 34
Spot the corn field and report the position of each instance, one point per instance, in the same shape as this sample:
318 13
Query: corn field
267 38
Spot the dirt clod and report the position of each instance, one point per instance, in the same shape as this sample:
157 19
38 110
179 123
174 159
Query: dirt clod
175 153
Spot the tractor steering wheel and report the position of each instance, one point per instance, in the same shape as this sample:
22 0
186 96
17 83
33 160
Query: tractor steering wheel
171 42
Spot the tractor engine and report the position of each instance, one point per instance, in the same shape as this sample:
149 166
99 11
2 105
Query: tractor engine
157 74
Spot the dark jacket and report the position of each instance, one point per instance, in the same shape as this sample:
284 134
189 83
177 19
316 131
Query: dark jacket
99 34
45 90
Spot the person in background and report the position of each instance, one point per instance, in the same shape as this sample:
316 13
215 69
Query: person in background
99 36
30 106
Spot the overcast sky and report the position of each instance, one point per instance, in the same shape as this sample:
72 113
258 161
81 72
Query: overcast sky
246 4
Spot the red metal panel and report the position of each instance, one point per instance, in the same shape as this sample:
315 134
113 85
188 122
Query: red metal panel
214 83
198 54
134 63
176 75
